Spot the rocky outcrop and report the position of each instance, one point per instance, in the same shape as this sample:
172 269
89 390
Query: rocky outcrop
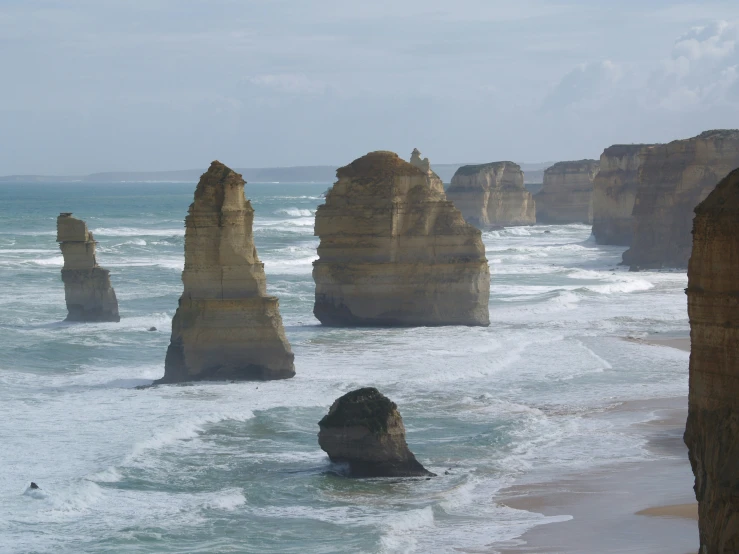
492 195
614 192
567 193
712 431
364 430
673 180
425 166
395 252
87 289
226 326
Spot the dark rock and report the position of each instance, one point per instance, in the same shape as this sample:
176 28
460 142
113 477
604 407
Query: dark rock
152 329
364 429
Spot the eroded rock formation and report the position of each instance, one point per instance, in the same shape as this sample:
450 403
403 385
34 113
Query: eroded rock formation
425 166
226 326
673 180
614 192
364 429
395 252
87 289
712 432
492 195
567 193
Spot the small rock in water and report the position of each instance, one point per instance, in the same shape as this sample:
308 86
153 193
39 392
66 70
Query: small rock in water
364 430
34 485
547 232
152 329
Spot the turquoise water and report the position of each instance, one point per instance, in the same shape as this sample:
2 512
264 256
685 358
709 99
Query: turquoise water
235 467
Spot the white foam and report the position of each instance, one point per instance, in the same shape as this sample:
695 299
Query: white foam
136 232
295 212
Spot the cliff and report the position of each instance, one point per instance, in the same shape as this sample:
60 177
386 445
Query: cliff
395 252
614 192
673 180
87 289
492 195
364 429
226 326
567 193
712 431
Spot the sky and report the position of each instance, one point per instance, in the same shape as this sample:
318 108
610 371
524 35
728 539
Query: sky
146 85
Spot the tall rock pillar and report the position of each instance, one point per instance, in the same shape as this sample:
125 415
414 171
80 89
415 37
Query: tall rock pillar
226 326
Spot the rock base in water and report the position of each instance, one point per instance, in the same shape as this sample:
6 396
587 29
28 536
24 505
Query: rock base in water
364 430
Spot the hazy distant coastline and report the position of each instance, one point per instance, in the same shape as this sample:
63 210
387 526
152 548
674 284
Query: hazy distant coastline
298 174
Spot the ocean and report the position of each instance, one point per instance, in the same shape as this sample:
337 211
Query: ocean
236 467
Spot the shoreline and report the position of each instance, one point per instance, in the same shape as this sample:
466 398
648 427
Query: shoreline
632 506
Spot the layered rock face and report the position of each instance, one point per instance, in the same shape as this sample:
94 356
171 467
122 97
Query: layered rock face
425 165
364 429
712 432
567 193
492 195
395 252
87 289
614 192
226 326
673 180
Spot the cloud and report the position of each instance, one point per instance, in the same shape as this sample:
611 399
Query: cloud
585 86
289 83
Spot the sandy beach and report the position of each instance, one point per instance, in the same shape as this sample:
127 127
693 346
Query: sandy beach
643 507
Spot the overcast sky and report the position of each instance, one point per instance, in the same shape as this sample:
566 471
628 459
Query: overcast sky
95 85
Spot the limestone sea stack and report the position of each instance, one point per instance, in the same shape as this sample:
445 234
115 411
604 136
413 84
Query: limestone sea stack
364 429
226 326
673 180
395 252
614 192
567 193
492 195
712 431
87 289
425 166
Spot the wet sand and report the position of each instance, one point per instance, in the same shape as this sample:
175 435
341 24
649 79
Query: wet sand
610 505
681 343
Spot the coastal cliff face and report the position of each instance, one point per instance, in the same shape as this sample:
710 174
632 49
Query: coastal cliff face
395 252
614 192
364 429
673 180
567 193
712 431
492 195
87 289
226 326
425 165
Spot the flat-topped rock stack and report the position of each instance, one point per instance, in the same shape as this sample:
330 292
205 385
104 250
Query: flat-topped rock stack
395 252
673 180
226 326
364 430
492 195
614 192
567 193
712 431
87 289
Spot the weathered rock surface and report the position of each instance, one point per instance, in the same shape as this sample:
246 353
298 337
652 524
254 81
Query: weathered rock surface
226 326
425 165
614 192
492 195
712 432
673 180
87 289
364 429
395 252
567 193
